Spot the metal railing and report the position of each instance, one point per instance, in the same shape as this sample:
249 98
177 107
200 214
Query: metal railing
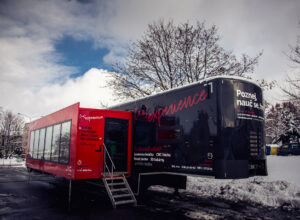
110 170
107 169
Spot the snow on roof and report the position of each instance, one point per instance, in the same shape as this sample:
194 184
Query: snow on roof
273 145
188 85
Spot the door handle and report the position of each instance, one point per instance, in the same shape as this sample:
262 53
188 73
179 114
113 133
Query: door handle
99 149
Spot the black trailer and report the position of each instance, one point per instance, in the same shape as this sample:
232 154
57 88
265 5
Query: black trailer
214 127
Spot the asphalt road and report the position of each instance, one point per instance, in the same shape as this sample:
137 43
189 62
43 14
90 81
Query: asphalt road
46 197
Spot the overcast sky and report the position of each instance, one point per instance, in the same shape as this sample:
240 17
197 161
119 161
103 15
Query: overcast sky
55 53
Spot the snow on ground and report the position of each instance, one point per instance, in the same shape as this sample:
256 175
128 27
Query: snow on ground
280 189
16 162
284 168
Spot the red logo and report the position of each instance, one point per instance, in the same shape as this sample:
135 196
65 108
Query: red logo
184 103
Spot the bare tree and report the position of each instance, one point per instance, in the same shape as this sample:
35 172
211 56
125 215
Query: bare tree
292 90
169 56
11 127
294 55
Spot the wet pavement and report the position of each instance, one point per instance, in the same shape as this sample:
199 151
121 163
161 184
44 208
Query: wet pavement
46 197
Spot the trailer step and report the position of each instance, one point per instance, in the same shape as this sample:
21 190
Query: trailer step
116 184
121 196
125 202
117 190
112 178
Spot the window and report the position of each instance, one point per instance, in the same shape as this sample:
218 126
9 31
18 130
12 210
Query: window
36 144
55 143
48 143
51 143
31 144
41 144
65 142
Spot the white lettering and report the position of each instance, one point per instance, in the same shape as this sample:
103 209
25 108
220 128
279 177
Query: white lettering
90 118
245 103
247 95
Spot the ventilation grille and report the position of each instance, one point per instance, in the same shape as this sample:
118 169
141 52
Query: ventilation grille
254 143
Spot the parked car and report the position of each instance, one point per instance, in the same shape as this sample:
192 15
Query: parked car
289 149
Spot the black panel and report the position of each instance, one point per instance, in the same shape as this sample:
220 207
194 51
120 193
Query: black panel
175 131
211 128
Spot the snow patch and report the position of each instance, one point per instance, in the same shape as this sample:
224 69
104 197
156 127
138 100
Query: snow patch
256 190
201 215
15 162
280 188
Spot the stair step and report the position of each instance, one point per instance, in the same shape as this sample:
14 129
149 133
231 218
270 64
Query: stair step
116 190
114 173
125 202
121 196
116 184
112 178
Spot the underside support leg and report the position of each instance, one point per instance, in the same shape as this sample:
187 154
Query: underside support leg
70 194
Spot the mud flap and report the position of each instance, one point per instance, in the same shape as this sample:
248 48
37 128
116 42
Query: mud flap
231 169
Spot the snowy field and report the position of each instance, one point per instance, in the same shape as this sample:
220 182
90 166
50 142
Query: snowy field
281 188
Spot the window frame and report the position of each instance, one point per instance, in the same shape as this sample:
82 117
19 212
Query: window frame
69 144
42 157
59 135
50 143
36 142
41 153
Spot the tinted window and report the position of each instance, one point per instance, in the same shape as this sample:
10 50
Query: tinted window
116 141
41 144
51 143
65 142
31 144
55 143
48 143
36 143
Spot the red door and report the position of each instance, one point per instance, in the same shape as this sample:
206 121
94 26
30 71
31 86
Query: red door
113 128
90 140
117 139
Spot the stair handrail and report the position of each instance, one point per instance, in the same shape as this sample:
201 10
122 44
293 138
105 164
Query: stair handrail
111 173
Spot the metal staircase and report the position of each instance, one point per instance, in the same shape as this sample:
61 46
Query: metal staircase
116 184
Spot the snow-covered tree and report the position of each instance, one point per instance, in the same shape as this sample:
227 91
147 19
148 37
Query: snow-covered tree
283 122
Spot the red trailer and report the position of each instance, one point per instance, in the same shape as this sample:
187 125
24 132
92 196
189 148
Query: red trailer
71 143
